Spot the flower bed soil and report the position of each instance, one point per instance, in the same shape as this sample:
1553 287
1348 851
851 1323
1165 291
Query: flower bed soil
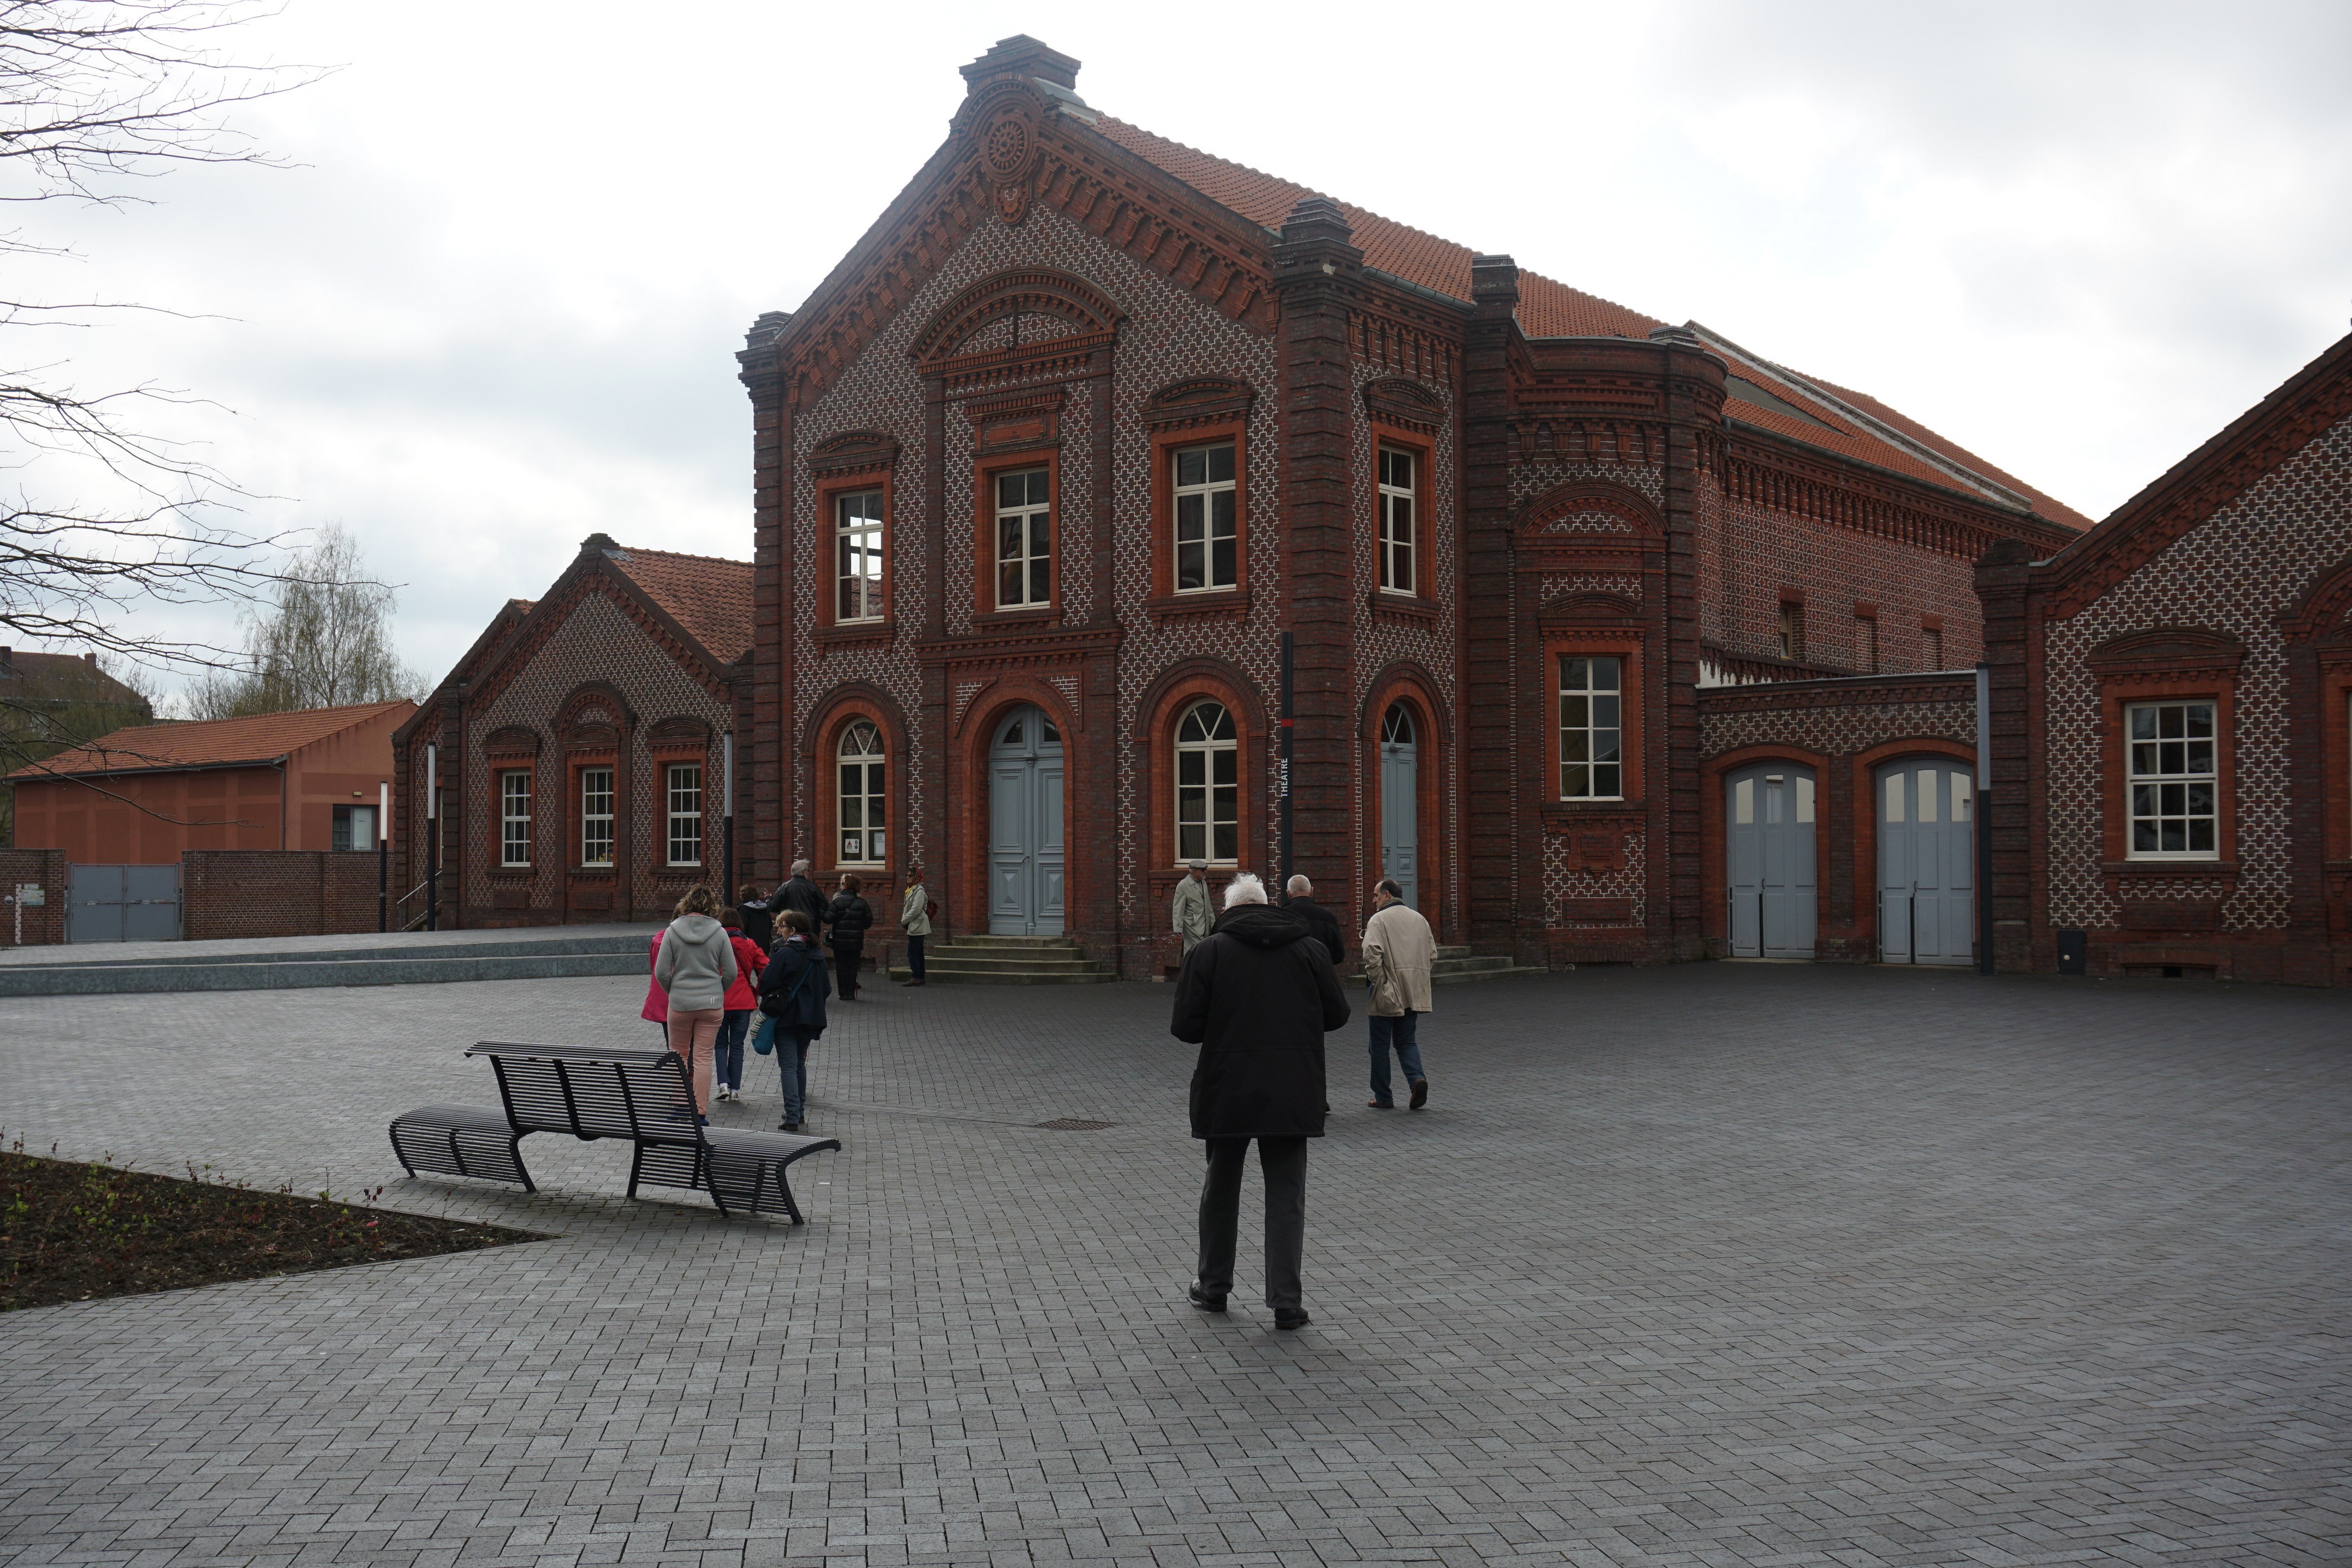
75 1232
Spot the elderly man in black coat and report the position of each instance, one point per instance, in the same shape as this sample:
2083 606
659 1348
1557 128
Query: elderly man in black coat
1258 997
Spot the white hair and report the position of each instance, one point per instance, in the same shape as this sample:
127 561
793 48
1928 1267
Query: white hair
800 868
1244 888
1298 887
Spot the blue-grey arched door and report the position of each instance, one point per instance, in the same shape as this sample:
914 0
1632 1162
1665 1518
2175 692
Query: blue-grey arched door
1927 862
1024 826
1401 801
1769 884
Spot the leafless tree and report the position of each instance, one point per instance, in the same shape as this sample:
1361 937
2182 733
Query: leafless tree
104 518
324 641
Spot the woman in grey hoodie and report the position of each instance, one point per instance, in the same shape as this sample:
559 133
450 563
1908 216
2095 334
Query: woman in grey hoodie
695 965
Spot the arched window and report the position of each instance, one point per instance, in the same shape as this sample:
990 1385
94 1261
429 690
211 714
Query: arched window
862 795
1207 786
1396 724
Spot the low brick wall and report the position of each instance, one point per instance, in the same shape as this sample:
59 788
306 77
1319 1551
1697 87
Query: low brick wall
44 925
276 892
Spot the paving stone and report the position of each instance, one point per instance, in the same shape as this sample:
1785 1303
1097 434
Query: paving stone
1723 1264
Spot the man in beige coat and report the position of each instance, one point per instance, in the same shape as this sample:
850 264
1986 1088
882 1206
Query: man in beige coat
1189 912
915 920
1398 951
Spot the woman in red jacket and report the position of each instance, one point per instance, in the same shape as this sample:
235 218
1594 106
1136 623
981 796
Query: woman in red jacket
742 997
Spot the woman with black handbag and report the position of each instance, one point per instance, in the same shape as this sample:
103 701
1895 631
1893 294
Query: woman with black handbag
849 917
791 992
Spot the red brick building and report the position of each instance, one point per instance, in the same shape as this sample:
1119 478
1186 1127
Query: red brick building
580 744
308 780
1088 419
2171 704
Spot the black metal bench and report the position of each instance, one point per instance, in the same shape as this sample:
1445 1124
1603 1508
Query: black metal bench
640 1095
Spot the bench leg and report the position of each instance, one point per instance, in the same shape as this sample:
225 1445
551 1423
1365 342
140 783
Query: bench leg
514 1147
711 1182
402 1153
785 1191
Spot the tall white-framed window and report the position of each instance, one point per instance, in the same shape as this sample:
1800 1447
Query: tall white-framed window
1207 786
1592 728
1206 553
514 817
862 803
683 784
1396 531
857 556
2175 790
1025 540
1791 640
595 816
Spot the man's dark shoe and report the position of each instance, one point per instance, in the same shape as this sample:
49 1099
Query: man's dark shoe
788 1126
1378 1105
1419 1092
1206 1302
1291 1318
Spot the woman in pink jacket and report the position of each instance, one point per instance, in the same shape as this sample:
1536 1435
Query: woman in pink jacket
656 1009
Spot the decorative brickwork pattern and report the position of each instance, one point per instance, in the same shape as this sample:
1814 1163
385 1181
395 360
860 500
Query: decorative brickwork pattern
1571 887
1839 730
2234 573
595 636
1561 584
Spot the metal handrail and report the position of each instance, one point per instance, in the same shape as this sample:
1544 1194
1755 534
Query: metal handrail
422 915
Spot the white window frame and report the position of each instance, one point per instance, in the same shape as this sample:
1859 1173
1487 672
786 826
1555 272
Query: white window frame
1208 806
673 789
868 794
1213 504
1031 560
590 820
857 560
514 825
2163 772
1789 634
1587 728
1398 536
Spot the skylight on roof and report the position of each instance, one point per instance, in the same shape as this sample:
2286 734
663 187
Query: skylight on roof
1748 391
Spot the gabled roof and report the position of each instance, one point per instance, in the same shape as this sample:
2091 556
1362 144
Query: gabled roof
62 677
709 597
1549 308
2315 399
257 741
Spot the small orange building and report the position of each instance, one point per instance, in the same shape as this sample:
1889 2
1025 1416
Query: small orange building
301 780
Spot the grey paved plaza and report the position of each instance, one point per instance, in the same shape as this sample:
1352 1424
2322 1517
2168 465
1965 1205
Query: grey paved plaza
1723 1264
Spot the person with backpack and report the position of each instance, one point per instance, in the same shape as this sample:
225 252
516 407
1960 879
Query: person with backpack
850 916
759 917
791 994
695 965
741 999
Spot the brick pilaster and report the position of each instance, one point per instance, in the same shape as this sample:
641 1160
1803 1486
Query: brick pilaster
1316 268
2003 585
1491 890
767 798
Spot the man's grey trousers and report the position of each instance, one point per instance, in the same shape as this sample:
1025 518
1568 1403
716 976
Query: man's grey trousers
1284 1163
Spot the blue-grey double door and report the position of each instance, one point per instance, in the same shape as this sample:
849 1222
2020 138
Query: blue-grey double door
1400 804
1926 862
1769 882
1024 826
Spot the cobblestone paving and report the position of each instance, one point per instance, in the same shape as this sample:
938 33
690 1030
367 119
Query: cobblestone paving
1721 1264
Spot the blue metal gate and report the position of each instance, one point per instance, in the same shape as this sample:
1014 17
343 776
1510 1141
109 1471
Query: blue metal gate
123 904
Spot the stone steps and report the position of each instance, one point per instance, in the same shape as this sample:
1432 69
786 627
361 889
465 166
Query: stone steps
259 968
1010 961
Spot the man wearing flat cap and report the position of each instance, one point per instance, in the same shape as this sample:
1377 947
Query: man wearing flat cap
1192 916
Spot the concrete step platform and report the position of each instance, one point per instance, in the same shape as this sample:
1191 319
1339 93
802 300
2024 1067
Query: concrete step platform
1010 961
262 965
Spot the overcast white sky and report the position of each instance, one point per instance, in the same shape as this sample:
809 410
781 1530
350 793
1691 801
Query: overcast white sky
495 308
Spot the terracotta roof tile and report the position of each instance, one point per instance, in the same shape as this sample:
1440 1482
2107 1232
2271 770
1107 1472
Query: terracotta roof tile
1546 309
210 743
2045 507
1552 309
708 596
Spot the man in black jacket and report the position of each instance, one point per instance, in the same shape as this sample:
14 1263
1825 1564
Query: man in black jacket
799 892
1321 924
1258 997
